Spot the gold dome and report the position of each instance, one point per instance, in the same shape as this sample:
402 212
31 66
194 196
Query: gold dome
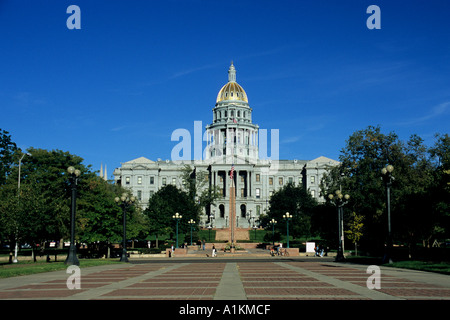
232 91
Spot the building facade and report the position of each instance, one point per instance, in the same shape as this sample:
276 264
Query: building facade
232 142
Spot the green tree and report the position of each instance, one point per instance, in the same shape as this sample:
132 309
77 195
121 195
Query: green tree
299 203
196 184
40 211
365 154
355 229
440 191
8 156
164 204
99 215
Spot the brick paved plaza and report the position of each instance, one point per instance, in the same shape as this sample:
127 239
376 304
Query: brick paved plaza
304 278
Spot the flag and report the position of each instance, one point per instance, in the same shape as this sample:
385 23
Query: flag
232 172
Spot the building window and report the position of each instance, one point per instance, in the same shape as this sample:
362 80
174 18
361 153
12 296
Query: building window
258 177
280 181
139 195
313 193
243 210
174 181
152 193
127 180
258 210
242 192
222 211
270 181
152 180
313 179
164 182
258 193
291 180
139 180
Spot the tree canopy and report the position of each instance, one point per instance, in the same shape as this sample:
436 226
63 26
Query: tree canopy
418 207
164 204
299 203
41 210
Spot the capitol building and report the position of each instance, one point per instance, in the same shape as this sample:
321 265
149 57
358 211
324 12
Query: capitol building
232 141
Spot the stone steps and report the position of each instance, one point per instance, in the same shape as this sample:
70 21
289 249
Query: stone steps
239 234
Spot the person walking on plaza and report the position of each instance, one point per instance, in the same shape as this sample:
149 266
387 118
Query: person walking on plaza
213 251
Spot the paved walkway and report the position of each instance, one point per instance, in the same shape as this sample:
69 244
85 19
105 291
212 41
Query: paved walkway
258 278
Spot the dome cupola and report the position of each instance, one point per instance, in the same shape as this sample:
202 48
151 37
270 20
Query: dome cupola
232 91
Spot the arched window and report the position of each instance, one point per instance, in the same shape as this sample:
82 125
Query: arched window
222 211
243 210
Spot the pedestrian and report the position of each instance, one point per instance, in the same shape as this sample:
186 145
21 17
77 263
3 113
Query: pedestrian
213 251
203 243
316 250
279 248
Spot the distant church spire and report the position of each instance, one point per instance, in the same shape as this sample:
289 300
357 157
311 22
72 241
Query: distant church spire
104 175
232 73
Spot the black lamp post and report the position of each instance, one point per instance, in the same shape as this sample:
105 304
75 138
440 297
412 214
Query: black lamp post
273 222
124 202
177 217
191 223
72 256
388 178
339 202
287 217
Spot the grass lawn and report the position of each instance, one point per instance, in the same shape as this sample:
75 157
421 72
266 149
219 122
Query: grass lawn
440 267
28 267
437 266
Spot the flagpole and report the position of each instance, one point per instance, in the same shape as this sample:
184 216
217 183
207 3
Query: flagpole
232 201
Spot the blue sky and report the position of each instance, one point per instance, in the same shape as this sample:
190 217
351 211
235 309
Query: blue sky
136 71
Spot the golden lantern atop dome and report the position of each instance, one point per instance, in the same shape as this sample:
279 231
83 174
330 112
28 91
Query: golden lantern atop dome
232 91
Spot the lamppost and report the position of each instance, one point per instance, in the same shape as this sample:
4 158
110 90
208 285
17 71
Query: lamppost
209 233
339 202
16 248
72 256
124 202
273 222
388 178
287 217
254 228
177 217
191 223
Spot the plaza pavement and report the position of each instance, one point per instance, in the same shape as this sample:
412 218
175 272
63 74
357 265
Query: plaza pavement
245 277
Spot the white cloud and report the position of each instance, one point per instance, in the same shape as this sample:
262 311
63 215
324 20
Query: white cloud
434 112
